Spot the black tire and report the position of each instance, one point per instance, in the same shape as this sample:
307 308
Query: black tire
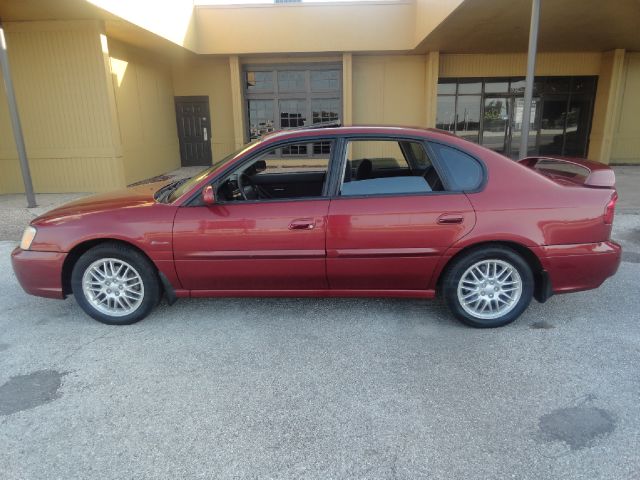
459 266
151 292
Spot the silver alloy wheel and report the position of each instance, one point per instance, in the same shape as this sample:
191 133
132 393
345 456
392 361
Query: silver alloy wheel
489 289
113 287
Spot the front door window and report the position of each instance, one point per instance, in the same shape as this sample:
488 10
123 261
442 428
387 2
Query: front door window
282 172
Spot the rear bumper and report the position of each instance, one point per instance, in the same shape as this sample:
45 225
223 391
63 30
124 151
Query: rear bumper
573 268
39 273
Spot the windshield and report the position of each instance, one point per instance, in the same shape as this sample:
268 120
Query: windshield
170 193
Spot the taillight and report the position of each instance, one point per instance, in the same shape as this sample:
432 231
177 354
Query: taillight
610 209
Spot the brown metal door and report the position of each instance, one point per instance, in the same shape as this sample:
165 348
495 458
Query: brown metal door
194 130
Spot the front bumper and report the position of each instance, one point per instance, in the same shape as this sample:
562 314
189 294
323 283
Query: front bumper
573 268
39 273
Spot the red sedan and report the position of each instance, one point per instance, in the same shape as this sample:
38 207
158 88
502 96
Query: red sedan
351 211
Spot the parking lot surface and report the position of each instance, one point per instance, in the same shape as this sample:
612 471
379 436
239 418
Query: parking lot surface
324 388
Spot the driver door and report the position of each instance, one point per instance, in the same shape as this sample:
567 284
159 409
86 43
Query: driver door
246 244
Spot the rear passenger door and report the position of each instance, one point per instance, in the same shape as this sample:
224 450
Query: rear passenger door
388 232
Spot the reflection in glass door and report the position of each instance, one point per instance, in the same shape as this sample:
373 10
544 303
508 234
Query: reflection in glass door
577 129
516 127
502 125
495 124
554 113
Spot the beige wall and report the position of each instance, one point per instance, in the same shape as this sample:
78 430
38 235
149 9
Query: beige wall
209 76
626 135
604 111
61 89
143 89
390 90
515 64
310 28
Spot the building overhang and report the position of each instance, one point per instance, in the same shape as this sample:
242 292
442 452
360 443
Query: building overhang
378 26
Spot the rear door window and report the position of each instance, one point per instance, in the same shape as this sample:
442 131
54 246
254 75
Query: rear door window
387 167
463 172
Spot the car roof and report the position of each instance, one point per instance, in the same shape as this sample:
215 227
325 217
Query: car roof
353 130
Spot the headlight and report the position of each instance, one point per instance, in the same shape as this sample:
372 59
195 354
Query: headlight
27 237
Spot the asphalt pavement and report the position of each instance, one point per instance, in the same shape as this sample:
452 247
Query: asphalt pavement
324 388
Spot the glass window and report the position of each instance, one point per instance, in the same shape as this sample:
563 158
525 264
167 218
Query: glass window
283 98
276 174
383 154
292 113
261 120
447 87
577 130
419 157
463 171
468 117
583 84
554 113
380 167
557 85
325 80
445 116
494 117
496 86
325 110
291 81
259 81
469 86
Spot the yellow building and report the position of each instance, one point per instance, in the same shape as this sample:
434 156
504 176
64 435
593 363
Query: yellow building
112 92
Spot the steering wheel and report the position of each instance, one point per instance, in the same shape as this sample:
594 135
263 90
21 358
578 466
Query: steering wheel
244 182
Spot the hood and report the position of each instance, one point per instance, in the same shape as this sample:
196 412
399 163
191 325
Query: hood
138 196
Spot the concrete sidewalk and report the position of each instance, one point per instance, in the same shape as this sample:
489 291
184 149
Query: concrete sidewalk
14 215
628 186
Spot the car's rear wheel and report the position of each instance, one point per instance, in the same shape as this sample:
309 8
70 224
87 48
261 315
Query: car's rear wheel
488 287
115 284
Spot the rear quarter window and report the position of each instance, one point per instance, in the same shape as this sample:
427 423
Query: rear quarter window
462 170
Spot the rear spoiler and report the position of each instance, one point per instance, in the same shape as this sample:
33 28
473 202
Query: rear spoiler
572 170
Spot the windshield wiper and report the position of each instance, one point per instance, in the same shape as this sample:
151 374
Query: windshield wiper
162 194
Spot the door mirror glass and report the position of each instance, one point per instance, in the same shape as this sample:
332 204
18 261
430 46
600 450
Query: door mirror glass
260 166
208 196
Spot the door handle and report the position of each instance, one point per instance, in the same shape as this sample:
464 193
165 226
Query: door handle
206 136
302 224
450 218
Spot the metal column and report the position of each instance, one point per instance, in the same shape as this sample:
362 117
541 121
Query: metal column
15 121
531 68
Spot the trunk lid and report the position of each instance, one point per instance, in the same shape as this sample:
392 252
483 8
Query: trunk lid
572 171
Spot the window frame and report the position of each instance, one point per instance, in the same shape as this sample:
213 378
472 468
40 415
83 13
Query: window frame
307 95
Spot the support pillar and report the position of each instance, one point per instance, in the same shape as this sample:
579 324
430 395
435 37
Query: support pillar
15 121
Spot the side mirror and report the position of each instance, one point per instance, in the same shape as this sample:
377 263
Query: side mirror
208 196
260 166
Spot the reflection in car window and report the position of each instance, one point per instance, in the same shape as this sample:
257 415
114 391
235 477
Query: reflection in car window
463 171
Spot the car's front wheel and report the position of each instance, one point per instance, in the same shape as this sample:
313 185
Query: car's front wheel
115 284
488 287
